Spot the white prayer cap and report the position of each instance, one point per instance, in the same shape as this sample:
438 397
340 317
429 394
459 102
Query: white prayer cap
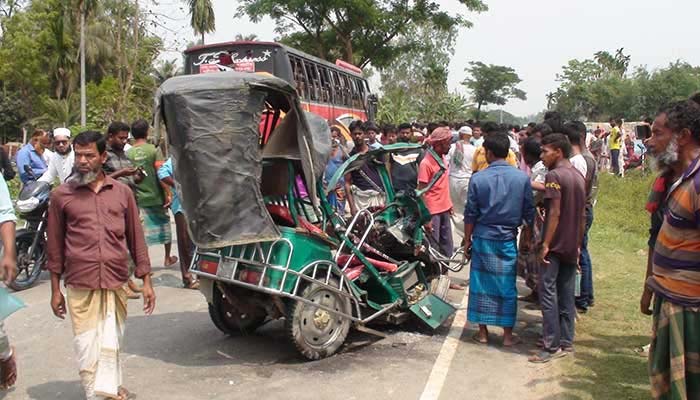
465 130
61 132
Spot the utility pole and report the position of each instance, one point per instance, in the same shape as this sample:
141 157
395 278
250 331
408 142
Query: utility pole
83 95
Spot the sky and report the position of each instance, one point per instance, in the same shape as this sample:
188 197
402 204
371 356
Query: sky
535 37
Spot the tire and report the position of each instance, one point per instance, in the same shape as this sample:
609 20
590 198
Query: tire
316 333
228 321
28 266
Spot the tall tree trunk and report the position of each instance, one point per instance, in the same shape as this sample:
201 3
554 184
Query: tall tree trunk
478 110
347 42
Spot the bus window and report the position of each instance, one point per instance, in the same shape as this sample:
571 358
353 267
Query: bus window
312 77
361 92
325 84
337 89
347 91
356 103
299 76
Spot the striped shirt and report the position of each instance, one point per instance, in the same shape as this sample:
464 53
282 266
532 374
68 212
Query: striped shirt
676 270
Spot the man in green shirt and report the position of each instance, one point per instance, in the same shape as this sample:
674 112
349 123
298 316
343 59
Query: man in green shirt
153 200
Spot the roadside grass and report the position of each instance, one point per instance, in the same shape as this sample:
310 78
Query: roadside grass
606 365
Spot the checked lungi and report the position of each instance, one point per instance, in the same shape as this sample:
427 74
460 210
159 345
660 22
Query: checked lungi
493 296
156 225
674 355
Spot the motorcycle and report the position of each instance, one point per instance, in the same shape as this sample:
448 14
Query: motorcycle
32 205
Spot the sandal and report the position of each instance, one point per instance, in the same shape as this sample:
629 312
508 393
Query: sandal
191 284
8 371
477 339
545 356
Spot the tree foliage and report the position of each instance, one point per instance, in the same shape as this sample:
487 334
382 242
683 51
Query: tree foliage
357 31
415 88
202 19
492 84
602 87
39 60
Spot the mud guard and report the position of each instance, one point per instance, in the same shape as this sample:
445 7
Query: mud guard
433 310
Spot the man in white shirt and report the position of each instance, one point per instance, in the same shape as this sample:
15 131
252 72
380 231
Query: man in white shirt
460 158
60 162
577 160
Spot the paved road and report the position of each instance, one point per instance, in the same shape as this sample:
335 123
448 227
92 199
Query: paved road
177 353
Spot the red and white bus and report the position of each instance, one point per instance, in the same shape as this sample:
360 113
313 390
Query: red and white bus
336 92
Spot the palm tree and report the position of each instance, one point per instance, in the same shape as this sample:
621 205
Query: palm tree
166 70
58 112
201 17
246 38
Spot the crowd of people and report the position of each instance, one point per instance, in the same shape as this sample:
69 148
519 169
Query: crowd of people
540 183
111 202
536 184
525 197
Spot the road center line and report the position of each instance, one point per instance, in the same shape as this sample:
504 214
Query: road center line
438 374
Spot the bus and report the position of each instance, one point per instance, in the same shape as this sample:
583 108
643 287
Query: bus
337 92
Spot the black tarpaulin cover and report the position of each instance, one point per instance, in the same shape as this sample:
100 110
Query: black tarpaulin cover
212 123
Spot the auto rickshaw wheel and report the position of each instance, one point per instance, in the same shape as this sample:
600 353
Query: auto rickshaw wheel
229 320
315 332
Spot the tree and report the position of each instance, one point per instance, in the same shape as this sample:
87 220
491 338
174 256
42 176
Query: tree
357 31
39 60
166 70
58 113
246 38
601 88
11 117
492 84
202 17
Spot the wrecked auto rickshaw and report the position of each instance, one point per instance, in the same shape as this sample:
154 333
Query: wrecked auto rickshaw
268 243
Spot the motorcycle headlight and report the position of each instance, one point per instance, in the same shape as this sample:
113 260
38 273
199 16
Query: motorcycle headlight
29 205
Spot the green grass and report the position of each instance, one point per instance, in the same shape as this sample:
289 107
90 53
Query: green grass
606 365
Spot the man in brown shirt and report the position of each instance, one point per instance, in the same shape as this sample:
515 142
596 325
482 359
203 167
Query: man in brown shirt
564 226
93 228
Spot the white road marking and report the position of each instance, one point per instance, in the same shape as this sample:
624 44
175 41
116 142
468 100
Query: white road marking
437 377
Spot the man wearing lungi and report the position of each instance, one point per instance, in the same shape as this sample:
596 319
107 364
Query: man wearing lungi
499 201
673 276
152 196
93 228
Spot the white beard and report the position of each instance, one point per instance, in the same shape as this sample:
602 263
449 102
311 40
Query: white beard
668 157
83 179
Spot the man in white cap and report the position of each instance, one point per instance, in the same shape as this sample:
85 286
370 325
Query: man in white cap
61 161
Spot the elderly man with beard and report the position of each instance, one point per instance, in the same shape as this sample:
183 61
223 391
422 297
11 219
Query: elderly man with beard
61 160
93 228
673 275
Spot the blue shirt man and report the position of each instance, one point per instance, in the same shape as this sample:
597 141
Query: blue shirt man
499 200
29 156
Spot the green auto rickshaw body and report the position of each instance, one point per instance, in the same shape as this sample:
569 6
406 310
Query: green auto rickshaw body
269 244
